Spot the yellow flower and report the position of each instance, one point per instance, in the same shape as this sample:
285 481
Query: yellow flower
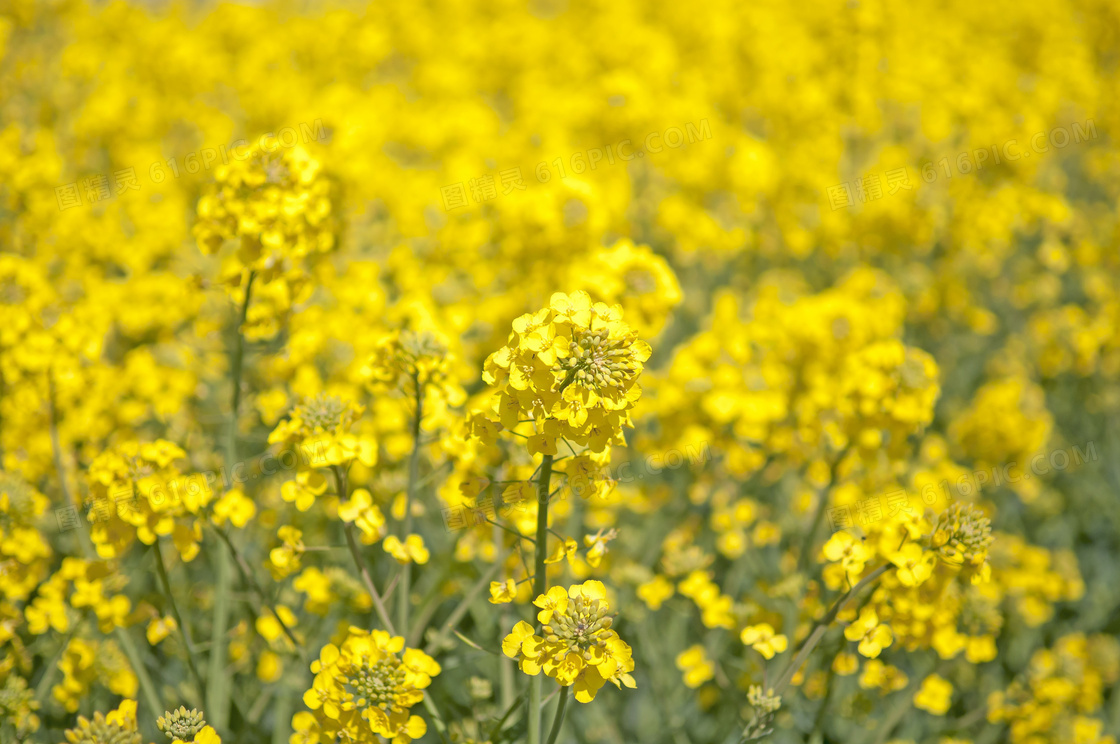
368 686
235 507
361 510
872 636
845 664
655 591
597 546
935 695
571 367
884 677
159 628
412 550
118 726
848 551
273 202
577 646
564 550
285 560
319 429
503 592
555 600
914 564
696 666
762 639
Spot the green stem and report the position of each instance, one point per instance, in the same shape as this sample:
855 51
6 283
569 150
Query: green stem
502 721
217 702
540 586
247 575
822 627
146 685
378 605
558 719
461 609
343 488
437 719
281 718
183 632
822 503
404 596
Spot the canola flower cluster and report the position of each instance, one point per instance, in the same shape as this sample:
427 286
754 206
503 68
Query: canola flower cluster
167 330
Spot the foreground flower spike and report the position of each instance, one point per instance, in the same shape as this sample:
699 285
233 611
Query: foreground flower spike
366 687
184 726
577 646
118 727
274 202
320 429
572 367
962 536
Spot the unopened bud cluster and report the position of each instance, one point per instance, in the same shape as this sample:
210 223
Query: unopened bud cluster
323 413
379 684
181 725
598 360
580 626
962 534
100 731
766 702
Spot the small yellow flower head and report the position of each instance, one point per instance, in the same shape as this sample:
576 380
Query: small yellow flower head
764 640
503 592
577 646
655 591
324 414
18 706
873 637
935 695
119 727
181 725
573 368
412 550
159 628
274 202
137 492
915 565
24 551
285 560
406 356
85 663
962 535
365 687
361 510
696 665
321 429
597 545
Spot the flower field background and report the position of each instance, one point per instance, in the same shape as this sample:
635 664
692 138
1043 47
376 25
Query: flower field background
559 372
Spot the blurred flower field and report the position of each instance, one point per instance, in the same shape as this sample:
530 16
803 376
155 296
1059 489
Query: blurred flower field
559 371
